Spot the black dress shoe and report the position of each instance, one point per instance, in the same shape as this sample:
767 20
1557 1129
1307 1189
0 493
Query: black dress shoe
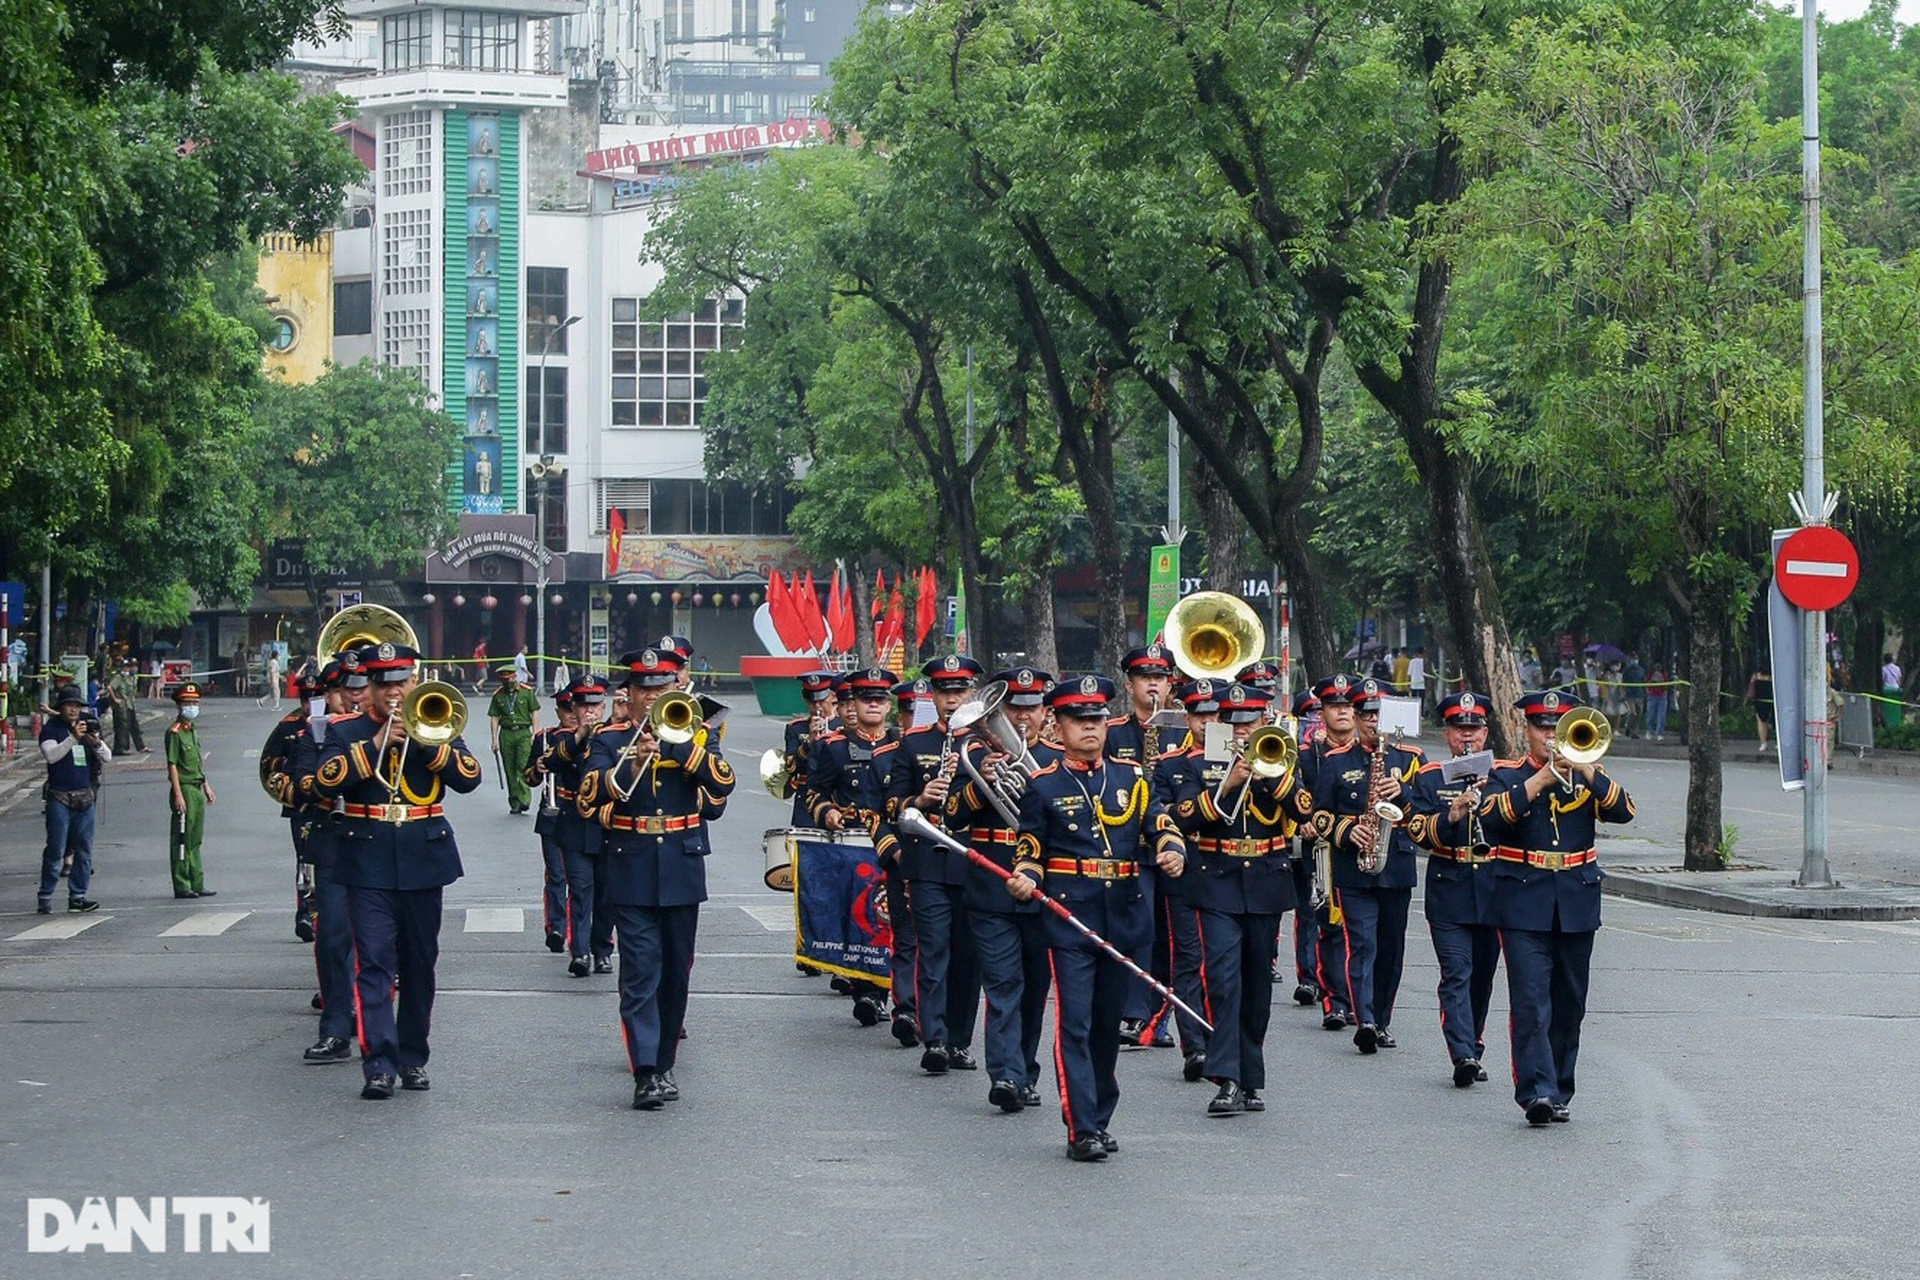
1465 1072
1254 1101
1540 1112
1108 1143
1005 1095
1306 993
578 967
44 908
329 1049
206 893
414 1079
904 1031
1194 1068
960 1060
648 1093
317 1003
1029 1096
1230 1101
866 1011
185 893
1131 1029
1384 1038
1334 1020
1086 1150
556 943
1481 1075
1367 1038
1562 1113
303 928
933 1060
668 1089
1353 1019
836 983
603 964
82 905
377 1088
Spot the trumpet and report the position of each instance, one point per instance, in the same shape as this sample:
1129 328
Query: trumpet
1581 736
1270 752
674 717
434 713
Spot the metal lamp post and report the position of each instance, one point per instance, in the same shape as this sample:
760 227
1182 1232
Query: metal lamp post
543 471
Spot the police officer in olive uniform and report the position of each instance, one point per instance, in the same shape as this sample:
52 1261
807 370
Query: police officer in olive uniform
515 713
1239 836
1150 678
1370 903
802 732
847 776
396 855
1182 768
1087 824
542 777
343 684
654 799
1443 821
1009 942
1546 899
946 977
588 938
192 793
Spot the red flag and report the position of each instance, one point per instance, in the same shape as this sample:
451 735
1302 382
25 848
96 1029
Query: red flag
786 618
924 613
616 530
878 605
895 624
843 632
811 620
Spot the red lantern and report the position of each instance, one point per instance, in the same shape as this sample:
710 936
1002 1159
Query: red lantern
459 601
489 601
428 598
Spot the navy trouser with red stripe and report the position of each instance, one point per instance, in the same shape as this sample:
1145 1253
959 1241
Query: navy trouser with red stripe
1347 955
333 956
1468 955
906 941
1089 990
656 961
1237 960
589 925
1013 973
553 890
1547 988
396 935
946 978
1390 951
1306 925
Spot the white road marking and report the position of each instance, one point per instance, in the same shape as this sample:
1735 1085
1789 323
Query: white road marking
495 920
251 753
206 924
774 917
72 926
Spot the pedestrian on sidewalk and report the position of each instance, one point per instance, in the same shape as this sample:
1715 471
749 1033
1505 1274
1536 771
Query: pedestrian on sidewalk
1890 686
273 681
73 751
1760 694
1659 698
192 793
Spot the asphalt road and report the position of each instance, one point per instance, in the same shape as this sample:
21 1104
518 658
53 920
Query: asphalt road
1742 1109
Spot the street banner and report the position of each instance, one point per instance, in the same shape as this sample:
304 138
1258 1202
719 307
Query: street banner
1163 587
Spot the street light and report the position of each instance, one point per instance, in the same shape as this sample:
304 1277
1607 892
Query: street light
542 471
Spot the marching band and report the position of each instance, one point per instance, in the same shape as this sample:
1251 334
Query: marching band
1012 837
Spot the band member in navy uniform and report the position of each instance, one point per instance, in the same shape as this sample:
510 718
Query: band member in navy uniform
1442 819
1374 904
653 799
946 981
1184 766
344 686
395 855
907 697
1009 940
588 929
275 772
1264 677
1546 899
846 787
1333 697
1239 831
816 689
1086 826
543 774
1150 678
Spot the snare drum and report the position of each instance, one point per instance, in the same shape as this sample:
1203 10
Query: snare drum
778 842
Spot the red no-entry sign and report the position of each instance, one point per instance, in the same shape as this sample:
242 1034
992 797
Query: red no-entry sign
1816 567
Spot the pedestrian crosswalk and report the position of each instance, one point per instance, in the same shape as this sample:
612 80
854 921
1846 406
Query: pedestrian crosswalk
71 927
205 924
773 917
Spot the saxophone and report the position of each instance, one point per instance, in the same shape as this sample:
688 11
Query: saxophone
1387 815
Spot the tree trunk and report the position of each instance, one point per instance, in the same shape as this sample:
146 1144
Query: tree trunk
1869 637
1318 654
1225 531
1103 521
1706 638
1037 638
862 612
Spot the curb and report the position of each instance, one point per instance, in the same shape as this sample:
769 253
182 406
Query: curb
1768 894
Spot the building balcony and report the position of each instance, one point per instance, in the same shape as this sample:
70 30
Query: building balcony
528 8
442 86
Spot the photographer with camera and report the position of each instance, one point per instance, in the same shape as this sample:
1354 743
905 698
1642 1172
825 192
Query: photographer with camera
71 744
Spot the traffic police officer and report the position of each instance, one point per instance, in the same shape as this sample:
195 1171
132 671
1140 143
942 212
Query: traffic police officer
1546 899
654 798
946 977
546 822
343 684
847 774
1184 763
515 713
1087 824
396 854
1238 830
1009 943
192 793
802 732
1442 820
589 929
1364 964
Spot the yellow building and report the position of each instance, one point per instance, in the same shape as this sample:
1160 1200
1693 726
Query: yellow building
297 278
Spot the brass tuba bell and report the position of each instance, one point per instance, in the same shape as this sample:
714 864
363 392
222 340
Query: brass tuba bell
363 624
1212 635
435 713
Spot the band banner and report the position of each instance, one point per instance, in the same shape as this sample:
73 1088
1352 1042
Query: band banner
1163 587
840 911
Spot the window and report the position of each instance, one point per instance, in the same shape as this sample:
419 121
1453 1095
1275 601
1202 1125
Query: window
406 340
717 507
404 41
659 369
481 41
556 522
679 14
406 252
556 409
746 19
632 498
285 334
352 307
546 309
406 153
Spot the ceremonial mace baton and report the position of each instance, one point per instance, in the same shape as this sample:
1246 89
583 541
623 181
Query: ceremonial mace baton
914 823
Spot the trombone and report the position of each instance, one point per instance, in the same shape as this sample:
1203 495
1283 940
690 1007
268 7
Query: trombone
1270 752
1581 736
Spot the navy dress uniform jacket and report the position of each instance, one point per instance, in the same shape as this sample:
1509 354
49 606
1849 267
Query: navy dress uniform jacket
1058 826
917 764
971 817
655 841
1459 888
1560 822
1340 806
1243 866
371 853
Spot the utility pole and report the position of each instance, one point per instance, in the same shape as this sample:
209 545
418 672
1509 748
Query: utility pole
544 471
1814 503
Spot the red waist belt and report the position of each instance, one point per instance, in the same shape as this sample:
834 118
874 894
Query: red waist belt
561 793
1462 855
654 825
1242 846
395 813
993 835
1092 868
1550 860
